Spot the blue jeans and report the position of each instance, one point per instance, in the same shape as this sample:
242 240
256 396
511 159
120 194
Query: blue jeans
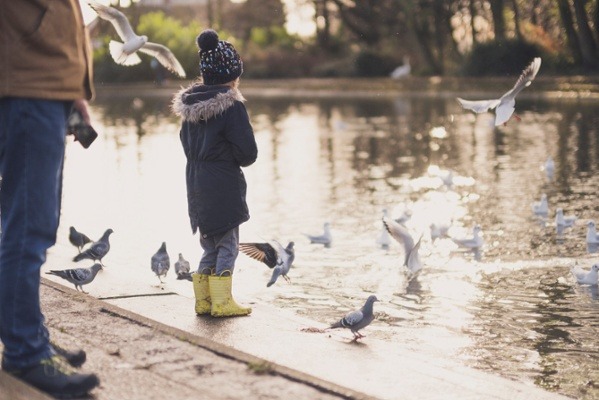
220 252
32 143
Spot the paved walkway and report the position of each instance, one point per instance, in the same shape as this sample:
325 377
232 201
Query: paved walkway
152 347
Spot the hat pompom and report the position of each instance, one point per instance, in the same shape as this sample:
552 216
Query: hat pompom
208 40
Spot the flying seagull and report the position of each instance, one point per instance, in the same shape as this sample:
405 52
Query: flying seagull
97 250
126 53
78 239
505 105
358 319
78 276
161 262
274 255
400 233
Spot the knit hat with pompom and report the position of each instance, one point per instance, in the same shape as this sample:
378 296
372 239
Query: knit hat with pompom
219 62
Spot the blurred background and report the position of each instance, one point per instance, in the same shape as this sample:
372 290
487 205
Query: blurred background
355 38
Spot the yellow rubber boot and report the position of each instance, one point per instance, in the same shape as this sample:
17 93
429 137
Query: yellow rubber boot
202 293
223 304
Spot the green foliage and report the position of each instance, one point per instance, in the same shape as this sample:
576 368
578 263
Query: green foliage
159 28
500 58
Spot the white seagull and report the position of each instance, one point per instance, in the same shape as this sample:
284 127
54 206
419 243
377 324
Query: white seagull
585 277
126 53
505 105
563 221
411 248
326 238
541 207
403 70
474 242
592 237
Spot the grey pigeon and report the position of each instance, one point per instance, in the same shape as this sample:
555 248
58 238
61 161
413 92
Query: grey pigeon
161 262
78 276
182 268
97 250
274 255
358 319
78 239
412 257
326 238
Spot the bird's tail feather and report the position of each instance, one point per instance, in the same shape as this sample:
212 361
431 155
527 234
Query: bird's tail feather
79 257
338 324
120 57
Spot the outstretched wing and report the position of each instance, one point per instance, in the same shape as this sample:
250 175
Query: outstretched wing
164 56
478 106
262 252
116 18
525 79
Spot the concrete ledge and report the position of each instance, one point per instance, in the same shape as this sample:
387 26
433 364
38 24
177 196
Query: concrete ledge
13 389
214 347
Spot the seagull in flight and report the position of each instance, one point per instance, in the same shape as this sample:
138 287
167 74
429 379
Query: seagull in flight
505 105
126 53
411 248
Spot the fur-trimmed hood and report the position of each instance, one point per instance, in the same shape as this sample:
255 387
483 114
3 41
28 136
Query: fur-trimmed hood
200 102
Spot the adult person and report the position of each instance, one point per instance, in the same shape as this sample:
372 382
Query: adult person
45 71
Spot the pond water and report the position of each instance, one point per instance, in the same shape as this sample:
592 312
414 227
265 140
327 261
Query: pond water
512 308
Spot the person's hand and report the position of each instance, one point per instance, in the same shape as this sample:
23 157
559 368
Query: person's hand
81 106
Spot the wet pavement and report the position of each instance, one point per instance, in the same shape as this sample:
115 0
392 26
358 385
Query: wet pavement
380 369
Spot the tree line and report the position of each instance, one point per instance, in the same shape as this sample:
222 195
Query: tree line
372 37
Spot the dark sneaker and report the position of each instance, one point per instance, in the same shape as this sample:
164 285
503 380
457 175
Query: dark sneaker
75 358
55 377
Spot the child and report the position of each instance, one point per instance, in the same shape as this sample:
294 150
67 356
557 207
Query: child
218 140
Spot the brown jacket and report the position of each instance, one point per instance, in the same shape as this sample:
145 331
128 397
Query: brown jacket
44 50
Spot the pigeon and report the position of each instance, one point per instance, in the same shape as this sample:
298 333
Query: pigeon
541 207
400 233
182 268
274 255
357 319
161 262
126 53
585 277
562 221
504 106
97 250
78 276
592 237
384 240
474 242
78 239
325 238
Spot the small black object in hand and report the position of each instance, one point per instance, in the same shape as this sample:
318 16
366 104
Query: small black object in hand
84 133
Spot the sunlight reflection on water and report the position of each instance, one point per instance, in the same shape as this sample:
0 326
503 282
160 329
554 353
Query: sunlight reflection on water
514 309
